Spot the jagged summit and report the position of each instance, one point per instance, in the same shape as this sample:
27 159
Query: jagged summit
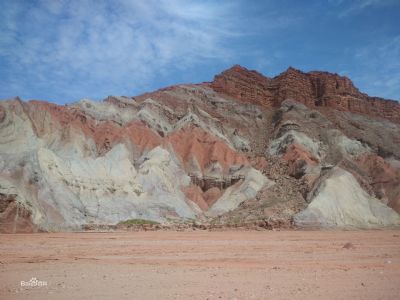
313 89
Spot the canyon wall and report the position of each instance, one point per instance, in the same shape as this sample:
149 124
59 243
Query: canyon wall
314 89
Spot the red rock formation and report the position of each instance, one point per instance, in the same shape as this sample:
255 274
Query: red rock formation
168 99
203 199
297 158
259 163
244 85
195 142
195 194
107 134
314 89
211 196
48 117
383 178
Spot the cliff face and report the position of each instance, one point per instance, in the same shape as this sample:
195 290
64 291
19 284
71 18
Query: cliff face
314 89
236 151
245 85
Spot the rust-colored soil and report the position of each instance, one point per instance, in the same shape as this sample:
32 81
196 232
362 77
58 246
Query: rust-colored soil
203 265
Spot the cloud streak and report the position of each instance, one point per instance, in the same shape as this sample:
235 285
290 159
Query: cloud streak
353 7
86 42
379 68
64 50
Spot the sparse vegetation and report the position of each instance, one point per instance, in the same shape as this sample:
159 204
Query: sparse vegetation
137 192
132 222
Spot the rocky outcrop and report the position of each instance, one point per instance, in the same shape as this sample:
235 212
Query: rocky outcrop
234 151
204 199
104 162
88 120
339 201
203 154
244 85
384 179
15 217
299 160
236 194
314 89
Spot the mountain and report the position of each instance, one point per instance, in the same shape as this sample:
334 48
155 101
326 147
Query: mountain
300 149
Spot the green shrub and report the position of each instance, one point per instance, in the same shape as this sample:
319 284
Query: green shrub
131 222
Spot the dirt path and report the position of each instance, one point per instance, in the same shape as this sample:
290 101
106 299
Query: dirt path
202 265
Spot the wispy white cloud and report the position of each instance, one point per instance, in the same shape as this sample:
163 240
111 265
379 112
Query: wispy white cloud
62 50
354 7
379 68
103 42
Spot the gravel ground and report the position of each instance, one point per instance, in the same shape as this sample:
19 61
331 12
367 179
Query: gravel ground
202 265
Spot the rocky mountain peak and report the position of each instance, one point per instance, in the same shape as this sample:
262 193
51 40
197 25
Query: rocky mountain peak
314 89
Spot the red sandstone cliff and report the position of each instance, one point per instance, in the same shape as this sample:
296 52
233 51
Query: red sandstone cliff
313 89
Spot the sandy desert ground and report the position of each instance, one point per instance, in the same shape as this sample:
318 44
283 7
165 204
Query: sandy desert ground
202 265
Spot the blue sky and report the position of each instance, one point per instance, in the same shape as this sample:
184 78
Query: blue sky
62 51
